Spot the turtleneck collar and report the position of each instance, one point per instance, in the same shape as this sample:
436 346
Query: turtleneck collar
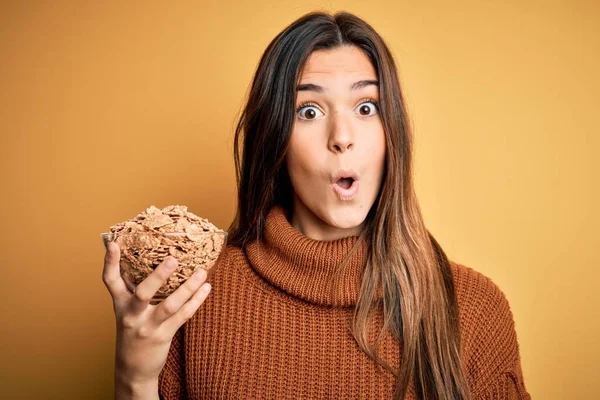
306 268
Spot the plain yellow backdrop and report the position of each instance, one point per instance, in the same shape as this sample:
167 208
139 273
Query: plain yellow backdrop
108 107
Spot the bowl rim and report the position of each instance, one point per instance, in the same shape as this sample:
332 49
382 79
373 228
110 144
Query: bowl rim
104 234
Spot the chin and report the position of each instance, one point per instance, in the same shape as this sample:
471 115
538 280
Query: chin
344 216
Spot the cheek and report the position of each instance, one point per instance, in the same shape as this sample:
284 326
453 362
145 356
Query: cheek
376 150
300 160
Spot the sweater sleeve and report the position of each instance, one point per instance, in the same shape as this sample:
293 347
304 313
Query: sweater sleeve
493 358
171 381
509 385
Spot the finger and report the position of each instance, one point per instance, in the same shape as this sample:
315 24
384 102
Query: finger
175 301
150 285
111 273
186 312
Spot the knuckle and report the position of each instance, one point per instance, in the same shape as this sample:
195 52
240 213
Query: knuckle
128 322
189 311
191 287
163 337
144 332
169 307
142 295
187 314
108 282
161 274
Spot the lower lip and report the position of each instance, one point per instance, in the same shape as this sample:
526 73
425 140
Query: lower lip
346 194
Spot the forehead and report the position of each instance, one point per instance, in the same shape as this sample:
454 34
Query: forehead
346 62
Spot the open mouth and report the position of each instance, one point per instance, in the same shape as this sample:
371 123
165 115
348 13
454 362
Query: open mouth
346 188
345 183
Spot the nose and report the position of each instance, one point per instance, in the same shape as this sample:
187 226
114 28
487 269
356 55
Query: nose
341 136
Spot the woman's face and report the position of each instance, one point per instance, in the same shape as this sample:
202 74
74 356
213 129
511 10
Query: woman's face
337 149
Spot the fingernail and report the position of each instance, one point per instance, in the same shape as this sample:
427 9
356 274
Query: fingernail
170 264
206 288
199 275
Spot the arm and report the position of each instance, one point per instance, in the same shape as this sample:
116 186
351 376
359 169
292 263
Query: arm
509 385
146 333
492 351
132 391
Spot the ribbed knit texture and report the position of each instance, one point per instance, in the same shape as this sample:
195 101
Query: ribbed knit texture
270 329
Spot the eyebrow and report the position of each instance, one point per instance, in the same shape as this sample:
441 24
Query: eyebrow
319 89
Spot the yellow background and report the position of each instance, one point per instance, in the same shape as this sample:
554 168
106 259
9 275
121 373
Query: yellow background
108 108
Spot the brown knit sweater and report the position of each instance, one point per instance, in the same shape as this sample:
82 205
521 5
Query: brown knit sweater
269 329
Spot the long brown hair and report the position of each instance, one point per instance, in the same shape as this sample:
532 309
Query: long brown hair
404 260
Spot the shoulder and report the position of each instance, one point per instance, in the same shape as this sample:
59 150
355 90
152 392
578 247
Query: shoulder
483 307
488 336
227 266
478 296
230 255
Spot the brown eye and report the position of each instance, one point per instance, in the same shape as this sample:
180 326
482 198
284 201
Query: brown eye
367 109
308 112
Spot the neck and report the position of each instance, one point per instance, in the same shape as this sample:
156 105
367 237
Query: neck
312 226
318 271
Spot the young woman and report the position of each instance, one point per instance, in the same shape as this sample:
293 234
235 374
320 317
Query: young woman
331 286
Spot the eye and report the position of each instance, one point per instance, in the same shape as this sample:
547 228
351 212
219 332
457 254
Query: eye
368 108
308 111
